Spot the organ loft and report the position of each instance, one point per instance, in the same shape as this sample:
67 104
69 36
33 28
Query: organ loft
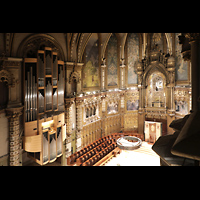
70 98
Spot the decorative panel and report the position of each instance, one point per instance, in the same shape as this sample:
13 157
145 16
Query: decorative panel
32 143
112 73
133 56
181 65
91 69
157 39
131 121
182 98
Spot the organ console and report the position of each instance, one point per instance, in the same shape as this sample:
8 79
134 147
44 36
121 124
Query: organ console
44 106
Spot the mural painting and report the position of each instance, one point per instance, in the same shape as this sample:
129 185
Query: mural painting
132 105
112 108
181 65
91 69
112 78
133 56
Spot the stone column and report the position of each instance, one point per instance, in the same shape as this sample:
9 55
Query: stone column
170 93
187 142
14 134
103 72
141 88
68 116
195 62
122 109
122 75
103 114
78 69
79 119
68 71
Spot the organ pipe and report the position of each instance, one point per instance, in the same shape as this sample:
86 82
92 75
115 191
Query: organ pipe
41 101
44 89
60 89
30 97
48 96
26 101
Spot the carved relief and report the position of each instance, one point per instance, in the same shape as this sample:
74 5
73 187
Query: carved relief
7 76
37 41
74 76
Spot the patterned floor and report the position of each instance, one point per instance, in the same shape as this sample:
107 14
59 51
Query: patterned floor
144 156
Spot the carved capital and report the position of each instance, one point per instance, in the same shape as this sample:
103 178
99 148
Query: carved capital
14 112
74 76
7 76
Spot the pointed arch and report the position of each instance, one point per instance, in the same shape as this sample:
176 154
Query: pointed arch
112 61
153 68
91 68
106 42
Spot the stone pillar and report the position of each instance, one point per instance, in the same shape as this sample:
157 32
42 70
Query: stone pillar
78 69
68 115
141 110
14 134
68 71
122 109
195 62
103 72
103 114
79 123
170 93
122 75
187 142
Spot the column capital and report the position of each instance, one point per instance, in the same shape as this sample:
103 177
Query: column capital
14 112
103 66
69 101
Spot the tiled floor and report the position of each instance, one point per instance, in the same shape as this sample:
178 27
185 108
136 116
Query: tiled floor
144 156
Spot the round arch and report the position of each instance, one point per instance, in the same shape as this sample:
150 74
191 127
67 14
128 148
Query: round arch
36 41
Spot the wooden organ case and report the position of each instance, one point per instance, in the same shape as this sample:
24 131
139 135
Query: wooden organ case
44 120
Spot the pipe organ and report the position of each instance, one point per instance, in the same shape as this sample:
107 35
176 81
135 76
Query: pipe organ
44 119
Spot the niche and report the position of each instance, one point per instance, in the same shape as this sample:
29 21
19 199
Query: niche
4 92
156 90
74 86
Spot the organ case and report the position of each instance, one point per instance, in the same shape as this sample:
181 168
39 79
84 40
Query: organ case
44 103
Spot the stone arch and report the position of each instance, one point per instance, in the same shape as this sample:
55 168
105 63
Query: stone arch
74 76
37 41
153 68
106 43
